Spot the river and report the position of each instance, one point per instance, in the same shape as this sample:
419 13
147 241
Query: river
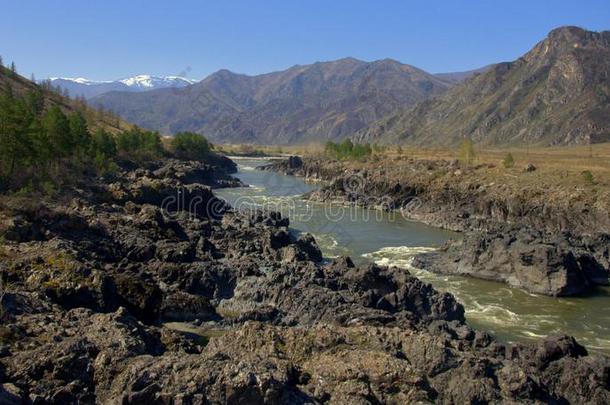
387 238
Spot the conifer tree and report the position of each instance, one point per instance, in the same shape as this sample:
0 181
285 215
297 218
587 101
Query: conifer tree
15 146
57 130
79 132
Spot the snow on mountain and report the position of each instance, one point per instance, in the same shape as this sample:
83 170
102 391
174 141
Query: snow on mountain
79 80
147 81
80 86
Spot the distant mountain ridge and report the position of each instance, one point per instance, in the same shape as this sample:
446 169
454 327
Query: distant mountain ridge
90 88
558 93
457 77
323 100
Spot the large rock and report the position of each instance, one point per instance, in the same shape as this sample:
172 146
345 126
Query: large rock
188 172
535 261
268 320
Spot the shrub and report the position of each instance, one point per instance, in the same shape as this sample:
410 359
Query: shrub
191 146
588 177
467 154
378 148
508 161
48 188
347 150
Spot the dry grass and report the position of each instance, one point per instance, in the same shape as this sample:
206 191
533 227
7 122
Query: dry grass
563 165
571 158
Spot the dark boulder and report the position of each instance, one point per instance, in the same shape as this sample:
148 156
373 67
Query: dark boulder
551 264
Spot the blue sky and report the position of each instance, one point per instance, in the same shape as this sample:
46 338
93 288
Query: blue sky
115 39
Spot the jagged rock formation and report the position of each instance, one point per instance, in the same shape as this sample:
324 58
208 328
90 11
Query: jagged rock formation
549 242
90 282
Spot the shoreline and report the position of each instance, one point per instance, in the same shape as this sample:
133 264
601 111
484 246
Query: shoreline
92 280
511 241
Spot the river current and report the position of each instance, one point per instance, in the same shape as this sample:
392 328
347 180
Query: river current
389 239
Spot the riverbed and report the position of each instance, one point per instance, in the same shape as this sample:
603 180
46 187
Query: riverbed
389 239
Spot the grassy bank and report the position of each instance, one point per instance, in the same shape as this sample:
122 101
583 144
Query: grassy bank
556 165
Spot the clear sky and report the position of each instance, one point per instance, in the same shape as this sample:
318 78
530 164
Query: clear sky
110 39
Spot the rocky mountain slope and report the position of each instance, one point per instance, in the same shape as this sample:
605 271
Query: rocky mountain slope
457 77
93 286
325 100
558 93
22 86
81 87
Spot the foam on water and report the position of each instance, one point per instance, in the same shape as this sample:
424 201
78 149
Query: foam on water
397 254
330 245
402 257
511 314
491 314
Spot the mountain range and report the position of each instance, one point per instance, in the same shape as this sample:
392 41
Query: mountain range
324 100
557 93
81 87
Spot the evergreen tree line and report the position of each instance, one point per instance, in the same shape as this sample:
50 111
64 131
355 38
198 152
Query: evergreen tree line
190 146
347 150
39 144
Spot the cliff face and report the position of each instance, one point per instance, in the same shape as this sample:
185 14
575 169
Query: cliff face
557 93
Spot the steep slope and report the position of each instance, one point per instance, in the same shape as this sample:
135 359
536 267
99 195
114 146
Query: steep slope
557 93
324 100
88 88
458 77
95 119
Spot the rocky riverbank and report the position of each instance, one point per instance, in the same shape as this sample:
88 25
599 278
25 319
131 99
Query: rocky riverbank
90 281
542 238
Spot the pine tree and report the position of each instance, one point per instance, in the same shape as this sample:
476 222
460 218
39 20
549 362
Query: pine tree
79 132
15 145
57 130
103 143
34 100
13 68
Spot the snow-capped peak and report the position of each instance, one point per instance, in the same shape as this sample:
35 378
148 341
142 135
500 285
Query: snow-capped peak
80 86
139 81
149 81
79 80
